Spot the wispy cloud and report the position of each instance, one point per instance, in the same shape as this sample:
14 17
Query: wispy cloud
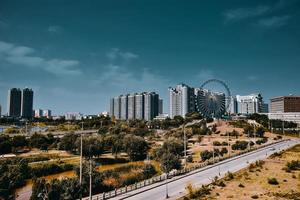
55 29
274 22
245 13
22 55
238 14
116 53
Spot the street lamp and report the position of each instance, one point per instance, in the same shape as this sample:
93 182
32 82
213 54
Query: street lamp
184 141
80 168
167 194
90 173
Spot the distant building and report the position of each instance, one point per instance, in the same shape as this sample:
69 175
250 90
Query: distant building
38 113
139 106
27 103
131 106
143 106
160 106
250 104
14 102
117 107
47 113
124 107
151 105
233 105
161 117
285 104
104 113
182 100
73 116
286 116
264 108
111 105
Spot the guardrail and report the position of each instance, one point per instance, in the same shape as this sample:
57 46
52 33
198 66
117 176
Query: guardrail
160 178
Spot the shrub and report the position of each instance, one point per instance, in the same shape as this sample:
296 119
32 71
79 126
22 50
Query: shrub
217 143
205 155
254 196
229 176
273 181
293 165
221 184
261 141
189 159
46 169
224 143
199 192
241 185
224 151
240 145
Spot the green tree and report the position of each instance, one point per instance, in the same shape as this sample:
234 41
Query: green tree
19 141
206 155
260 131
249 130
68 142
169 162
91 146
136 147
5 144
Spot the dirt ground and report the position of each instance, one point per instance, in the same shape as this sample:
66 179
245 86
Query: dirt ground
222 126
253 184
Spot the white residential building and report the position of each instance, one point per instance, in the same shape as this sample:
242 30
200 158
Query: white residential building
250 104
182 100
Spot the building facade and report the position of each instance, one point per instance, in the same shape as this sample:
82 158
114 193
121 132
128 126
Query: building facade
73 116
250 104
14 102
139 106
142 106
117 108
47 113
285 104
287 116
38 113
182 100
160 106
131 106
27 103
124 107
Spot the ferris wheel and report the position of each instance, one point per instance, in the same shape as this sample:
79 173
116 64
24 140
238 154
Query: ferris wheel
213 98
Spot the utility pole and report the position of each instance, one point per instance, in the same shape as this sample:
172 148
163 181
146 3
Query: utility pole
228 143
213 155
26 127
283 126
249 141
254 133
90 178
80 168
184 141
167 195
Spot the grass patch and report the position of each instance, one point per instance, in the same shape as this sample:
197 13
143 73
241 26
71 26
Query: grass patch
273 181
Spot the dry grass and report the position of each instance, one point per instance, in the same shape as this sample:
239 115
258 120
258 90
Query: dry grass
254 184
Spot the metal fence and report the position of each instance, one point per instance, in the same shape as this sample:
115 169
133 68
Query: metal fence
160 178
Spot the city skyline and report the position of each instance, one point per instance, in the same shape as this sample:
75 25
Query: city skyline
101 49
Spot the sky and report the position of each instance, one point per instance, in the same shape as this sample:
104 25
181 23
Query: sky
76 55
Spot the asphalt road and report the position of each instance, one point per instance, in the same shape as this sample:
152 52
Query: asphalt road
176 188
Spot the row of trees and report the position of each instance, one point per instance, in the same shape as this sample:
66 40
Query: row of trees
93 146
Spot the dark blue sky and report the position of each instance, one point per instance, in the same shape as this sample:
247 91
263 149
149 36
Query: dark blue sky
78 54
